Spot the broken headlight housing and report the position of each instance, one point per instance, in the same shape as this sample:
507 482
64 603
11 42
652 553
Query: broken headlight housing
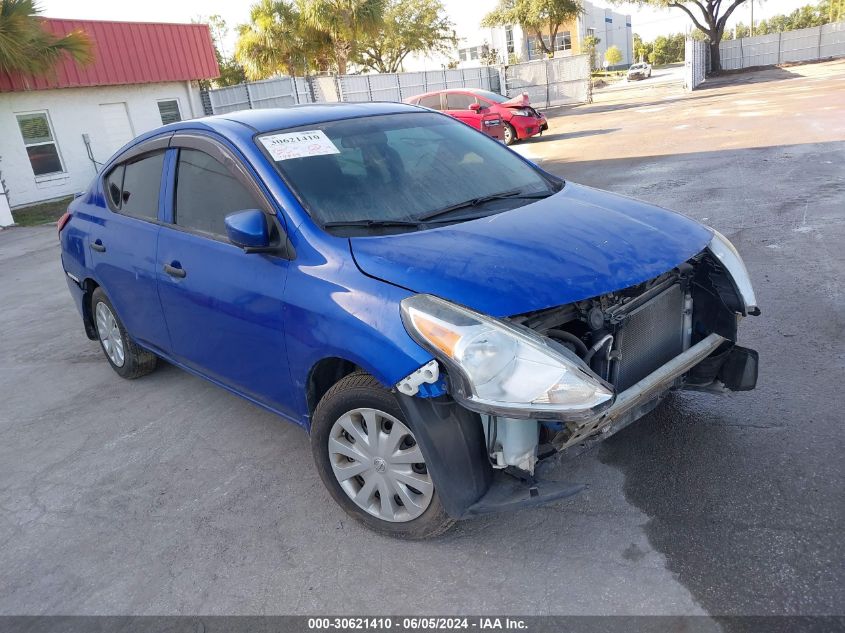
501 369
729 257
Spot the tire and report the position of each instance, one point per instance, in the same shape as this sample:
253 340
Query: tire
344 407
510 134
124 355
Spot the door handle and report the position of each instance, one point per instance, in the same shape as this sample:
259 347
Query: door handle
175 272
98 246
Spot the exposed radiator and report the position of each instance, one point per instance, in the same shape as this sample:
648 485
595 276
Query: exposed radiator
651 335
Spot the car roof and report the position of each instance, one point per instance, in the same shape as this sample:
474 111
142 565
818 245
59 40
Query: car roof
269 119
449 91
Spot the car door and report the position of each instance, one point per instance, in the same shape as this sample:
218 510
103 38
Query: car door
122 241
458 105
223 307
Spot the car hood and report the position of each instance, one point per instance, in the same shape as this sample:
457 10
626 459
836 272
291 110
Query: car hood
520 101
576 244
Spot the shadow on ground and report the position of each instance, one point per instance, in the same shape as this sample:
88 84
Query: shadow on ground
560 136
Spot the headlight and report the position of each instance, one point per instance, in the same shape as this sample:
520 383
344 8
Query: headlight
523 112
729 257
500 369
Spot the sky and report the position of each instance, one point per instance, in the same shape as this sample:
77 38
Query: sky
649 23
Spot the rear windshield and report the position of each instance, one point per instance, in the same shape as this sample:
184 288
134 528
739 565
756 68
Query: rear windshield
397 167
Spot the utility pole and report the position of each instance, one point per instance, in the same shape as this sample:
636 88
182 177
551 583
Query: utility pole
751 33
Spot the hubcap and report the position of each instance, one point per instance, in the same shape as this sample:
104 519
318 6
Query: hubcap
508 135
378 463
109 333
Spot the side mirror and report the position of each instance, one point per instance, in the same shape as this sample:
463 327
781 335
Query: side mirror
248 229
475 107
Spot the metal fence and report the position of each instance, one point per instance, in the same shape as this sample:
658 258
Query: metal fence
818 42
286 91
696 63
400 86
268 93
551 82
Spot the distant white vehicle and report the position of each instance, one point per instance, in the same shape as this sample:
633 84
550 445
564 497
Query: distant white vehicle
639 71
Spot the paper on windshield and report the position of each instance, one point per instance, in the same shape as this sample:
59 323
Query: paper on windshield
298 145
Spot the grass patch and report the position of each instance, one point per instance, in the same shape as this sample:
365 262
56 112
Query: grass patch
41 213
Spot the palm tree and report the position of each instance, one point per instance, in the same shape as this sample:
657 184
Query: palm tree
278 40
345 22
27 48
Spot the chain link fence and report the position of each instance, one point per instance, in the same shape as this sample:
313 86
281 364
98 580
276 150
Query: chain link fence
551 82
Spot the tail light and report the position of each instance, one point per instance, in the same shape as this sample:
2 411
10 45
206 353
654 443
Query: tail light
63 220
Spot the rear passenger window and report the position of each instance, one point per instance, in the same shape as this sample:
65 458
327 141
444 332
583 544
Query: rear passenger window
141 184
459 101
206 192
431 101
114 187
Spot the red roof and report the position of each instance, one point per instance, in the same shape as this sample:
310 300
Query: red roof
127 53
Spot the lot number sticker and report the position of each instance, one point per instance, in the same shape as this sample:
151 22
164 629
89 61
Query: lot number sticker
299 145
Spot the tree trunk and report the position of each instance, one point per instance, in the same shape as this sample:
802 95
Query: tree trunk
342 52
715 38
715 60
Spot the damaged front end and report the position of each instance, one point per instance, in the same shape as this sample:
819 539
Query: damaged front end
522 389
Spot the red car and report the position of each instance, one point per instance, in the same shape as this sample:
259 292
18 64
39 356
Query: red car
471 105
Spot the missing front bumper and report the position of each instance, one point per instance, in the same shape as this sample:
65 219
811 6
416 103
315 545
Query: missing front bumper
634 401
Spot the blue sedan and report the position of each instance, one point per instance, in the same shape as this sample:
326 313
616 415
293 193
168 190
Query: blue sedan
438 313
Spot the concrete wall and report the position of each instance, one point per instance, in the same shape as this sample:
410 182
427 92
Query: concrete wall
72 113
5 212
612 29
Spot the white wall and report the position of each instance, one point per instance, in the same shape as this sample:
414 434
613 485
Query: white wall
5 212
72 113
614 33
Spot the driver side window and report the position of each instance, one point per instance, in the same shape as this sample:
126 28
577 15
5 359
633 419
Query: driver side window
206 192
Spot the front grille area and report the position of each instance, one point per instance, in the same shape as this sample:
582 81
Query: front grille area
651 335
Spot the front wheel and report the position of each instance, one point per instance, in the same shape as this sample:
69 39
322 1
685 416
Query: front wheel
510 134
369 459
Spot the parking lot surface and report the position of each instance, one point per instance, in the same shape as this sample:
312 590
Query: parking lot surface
167 495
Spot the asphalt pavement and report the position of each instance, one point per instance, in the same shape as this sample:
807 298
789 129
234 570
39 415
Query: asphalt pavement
167 495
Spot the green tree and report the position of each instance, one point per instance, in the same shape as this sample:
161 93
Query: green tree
26 47
641 49
588 45
345 23
278 40
231 72
659 51
409 26
535 17
709 16
613 56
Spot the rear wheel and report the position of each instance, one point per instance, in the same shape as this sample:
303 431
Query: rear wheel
510 134
369 459
126 358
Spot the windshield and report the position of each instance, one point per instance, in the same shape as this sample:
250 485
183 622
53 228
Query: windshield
400 169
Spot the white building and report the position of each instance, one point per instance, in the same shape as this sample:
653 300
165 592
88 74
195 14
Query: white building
512 45
55 131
